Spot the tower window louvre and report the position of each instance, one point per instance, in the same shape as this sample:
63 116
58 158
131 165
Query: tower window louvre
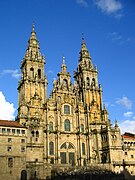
31 72
37 134
39 73
88 81
32 133
93 82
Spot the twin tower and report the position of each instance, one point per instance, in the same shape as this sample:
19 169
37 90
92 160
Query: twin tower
71 127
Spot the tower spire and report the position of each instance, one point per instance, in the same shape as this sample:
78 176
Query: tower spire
33 49
84 48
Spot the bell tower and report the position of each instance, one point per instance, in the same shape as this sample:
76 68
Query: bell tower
86 76
32 88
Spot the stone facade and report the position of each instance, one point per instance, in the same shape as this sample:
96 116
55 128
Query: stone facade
71 128
12 149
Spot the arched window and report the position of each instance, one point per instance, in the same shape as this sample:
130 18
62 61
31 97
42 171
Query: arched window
93 82
63 146
32 133
37 134
82 128
39 73
83 149
51 126
67 125
66 109
51 148
31 72
70 146
88 81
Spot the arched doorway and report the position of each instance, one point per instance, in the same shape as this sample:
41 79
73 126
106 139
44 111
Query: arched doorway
23 175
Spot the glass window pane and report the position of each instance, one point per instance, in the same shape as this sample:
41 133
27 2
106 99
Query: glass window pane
70 146
51 126
66 109
8 131
63 157
18 131
51 148
63 146
67 125
23 131
3 130
71 158
83 149
82 128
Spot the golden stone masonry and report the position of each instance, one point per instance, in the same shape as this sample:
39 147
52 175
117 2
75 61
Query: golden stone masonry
69 129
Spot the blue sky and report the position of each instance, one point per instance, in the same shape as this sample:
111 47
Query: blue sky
109 31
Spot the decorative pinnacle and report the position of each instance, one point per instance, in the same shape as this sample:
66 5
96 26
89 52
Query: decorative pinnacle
63 60
83 38
33 27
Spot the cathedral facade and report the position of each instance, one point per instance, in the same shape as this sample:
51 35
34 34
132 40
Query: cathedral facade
71 128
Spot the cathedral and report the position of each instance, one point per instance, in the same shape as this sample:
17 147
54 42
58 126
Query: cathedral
68 129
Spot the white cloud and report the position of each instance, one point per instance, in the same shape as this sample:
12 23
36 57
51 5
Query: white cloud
128 114
7 109
127 126
124 101
109 6
14 73
116 36
82 3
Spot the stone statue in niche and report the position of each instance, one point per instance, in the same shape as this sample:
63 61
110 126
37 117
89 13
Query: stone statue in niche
64 84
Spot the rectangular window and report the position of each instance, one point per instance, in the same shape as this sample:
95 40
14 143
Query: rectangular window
125 153
22 140
18 131
22 149
13 131
9 148
52 160
8 131
66 109
132 156
3 130
63 157
9 140
83 149
23 131
10 162
71 158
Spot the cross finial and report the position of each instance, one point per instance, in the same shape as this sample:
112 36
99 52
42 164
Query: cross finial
63 60
33 27
82 37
